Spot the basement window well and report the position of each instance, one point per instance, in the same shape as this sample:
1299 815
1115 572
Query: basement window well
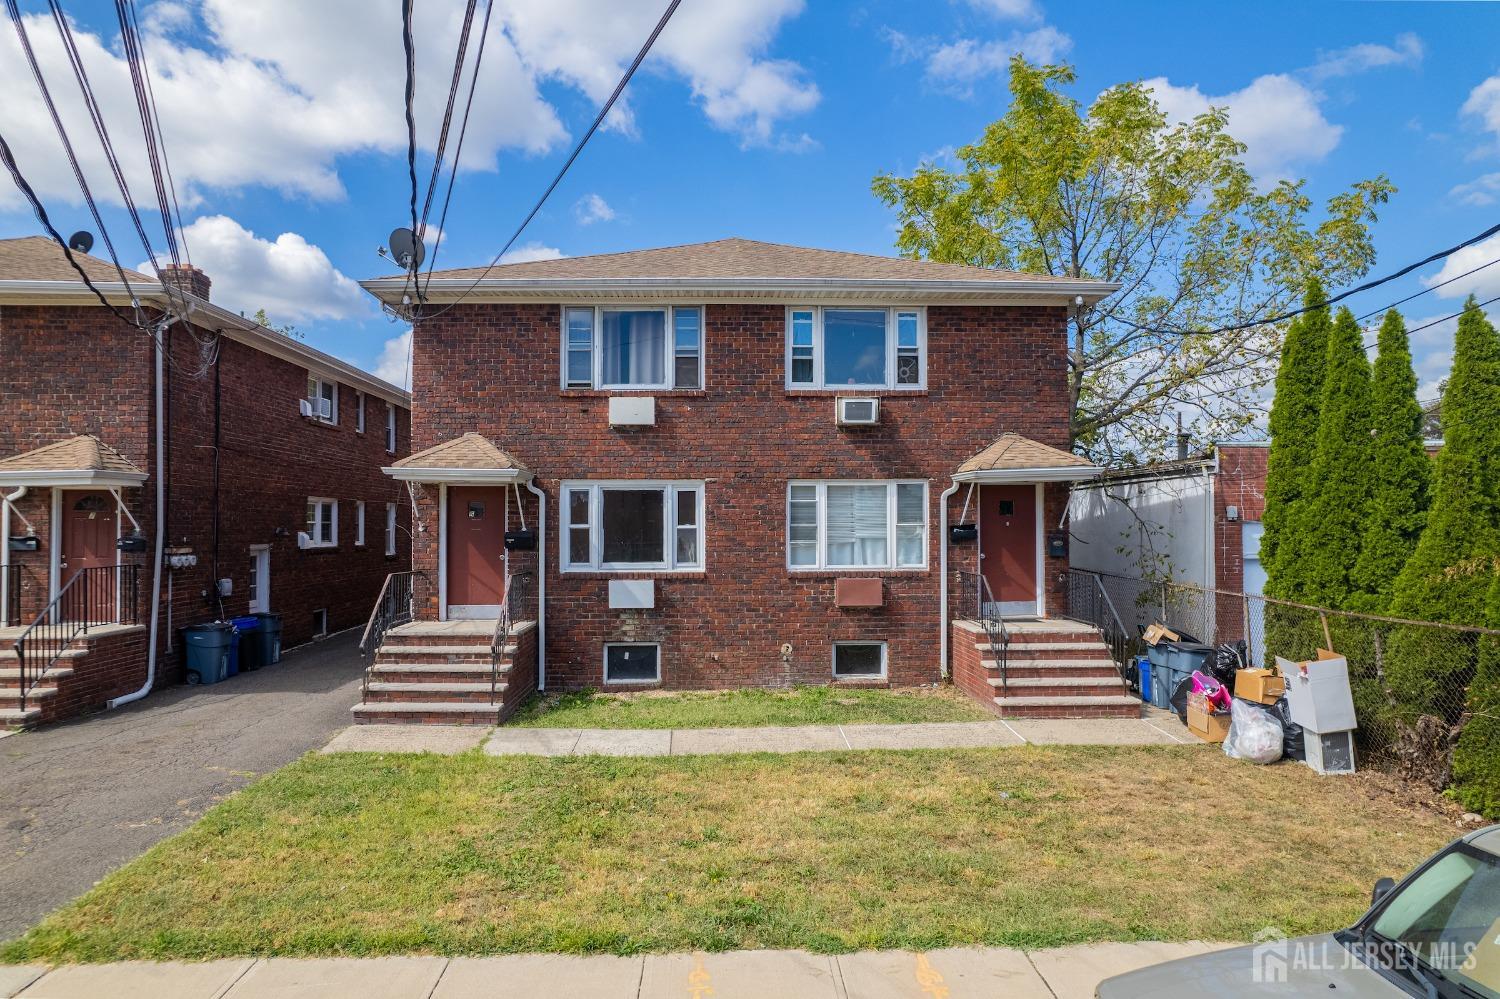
859 660
632 663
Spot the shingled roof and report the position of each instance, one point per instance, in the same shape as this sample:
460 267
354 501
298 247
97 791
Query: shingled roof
1012 453
83 458
38 258
470 453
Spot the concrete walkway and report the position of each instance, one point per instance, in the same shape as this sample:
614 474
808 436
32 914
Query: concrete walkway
1062 973
1155 729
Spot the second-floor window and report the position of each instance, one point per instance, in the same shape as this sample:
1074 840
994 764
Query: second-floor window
390 428
359 412
856 348
324 398
635 348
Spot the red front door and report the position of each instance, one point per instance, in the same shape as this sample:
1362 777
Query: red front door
1007 544
476 550
89 530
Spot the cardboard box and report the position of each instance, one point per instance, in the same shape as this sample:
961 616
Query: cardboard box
1318 692
1205 724
1263 686
1157 632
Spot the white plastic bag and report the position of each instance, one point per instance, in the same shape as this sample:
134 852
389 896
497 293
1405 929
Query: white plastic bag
1254 733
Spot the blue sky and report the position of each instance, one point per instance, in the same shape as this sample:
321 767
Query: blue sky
756 118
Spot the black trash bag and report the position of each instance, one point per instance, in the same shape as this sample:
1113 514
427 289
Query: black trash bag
1179 698
1293 745
1228 658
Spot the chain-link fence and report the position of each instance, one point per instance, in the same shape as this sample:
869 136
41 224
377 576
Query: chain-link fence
1411 680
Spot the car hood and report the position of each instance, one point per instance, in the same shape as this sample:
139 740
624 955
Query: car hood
1316 965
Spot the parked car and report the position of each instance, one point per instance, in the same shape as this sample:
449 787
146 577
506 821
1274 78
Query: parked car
1436 935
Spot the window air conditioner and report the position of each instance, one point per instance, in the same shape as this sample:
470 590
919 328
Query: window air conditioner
305 407
858 411
304 540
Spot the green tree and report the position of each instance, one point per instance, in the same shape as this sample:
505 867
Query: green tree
1114 192
287 330
1330 521
1476 758
1400 471
1293 428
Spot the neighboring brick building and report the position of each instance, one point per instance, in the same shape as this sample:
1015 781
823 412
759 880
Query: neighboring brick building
735 460
243 467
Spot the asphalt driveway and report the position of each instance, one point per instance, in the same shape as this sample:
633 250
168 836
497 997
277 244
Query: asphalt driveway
81 798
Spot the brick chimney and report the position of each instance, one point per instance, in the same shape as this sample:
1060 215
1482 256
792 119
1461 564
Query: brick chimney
186 278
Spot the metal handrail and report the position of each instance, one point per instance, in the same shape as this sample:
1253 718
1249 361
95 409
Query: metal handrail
1118 639
393 608
101 594
501 637
987 613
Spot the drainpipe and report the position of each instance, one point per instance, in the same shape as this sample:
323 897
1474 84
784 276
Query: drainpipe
161 526
541 585
7 502
943 577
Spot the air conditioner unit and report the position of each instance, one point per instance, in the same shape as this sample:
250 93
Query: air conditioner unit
856 411
304 406
304 540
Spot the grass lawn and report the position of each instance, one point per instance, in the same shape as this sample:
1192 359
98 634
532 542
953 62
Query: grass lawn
1035 846
822 705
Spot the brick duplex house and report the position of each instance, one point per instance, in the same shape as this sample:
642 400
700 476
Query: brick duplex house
735 464
270 479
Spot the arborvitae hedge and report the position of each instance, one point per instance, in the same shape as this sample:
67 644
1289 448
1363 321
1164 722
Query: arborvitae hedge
1476 759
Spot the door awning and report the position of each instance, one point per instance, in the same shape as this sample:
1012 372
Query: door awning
1013 458
80 461
470 460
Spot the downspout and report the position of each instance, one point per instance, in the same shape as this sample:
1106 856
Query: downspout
943 577
5 581
541 585
161 524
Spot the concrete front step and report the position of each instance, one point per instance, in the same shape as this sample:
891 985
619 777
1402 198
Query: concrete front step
426 713
11 676
11 696
445 693
15 718
434 673
1057 686
1039 706
448 649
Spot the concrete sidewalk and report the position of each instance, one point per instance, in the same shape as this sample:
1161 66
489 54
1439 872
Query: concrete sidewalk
1154 729
1061 973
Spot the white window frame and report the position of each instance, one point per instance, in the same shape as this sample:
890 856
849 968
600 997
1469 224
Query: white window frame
669 348
885 661
596 489
315 386
821 563
359 412
628 683
359 523
390 528
892 349
333 514
390 428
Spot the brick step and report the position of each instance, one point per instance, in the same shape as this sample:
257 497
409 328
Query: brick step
1057 686
434 673
475 658
1058 650
479 638
11 696
1048 637
1051 665
11 717
447 693
1038 706
426 713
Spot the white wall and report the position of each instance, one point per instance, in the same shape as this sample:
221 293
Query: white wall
1149 527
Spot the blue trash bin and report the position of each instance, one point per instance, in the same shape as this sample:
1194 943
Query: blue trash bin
209 648
1143 674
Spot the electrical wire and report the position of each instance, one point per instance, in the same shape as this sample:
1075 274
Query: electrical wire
156 145
460 57
1424 291
609 104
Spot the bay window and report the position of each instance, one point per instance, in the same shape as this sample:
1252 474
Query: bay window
859 348
632 348
632 525
857 525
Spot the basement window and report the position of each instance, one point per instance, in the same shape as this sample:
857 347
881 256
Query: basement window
859 660
632 663
320 623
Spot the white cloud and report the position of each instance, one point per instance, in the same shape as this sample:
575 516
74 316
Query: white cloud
1479 192
1485 284
1483 104
1408 50
1277 117
1014 9
394 364
293 280
275 92
592 208
960 64
532 251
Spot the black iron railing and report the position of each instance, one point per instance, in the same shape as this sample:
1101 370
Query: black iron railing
987 614
12 579
98 595
393 608
1089 601
512 607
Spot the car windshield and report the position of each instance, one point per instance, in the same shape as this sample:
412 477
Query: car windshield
1449 917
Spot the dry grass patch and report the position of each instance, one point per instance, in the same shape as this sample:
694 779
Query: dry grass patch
1034 846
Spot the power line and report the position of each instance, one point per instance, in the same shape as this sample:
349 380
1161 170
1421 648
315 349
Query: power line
640 57
152 124
459 58
1424 291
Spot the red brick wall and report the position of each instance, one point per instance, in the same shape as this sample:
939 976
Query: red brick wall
66 371
1241 483
494 369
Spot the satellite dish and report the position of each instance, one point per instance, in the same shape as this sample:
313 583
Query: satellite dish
81 241
407 248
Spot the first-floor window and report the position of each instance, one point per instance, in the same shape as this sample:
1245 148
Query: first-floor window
322 522
859 659
390 528
632 663
359 522
633 525
857 525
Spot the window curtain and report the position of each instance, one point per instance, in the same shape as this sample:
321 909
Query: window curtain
634 348
857 525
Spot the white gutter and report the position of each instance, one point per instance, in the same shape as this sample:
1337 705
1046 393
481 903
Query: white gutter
161 528
1026 476
541 585
8 502
459 476
943 577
